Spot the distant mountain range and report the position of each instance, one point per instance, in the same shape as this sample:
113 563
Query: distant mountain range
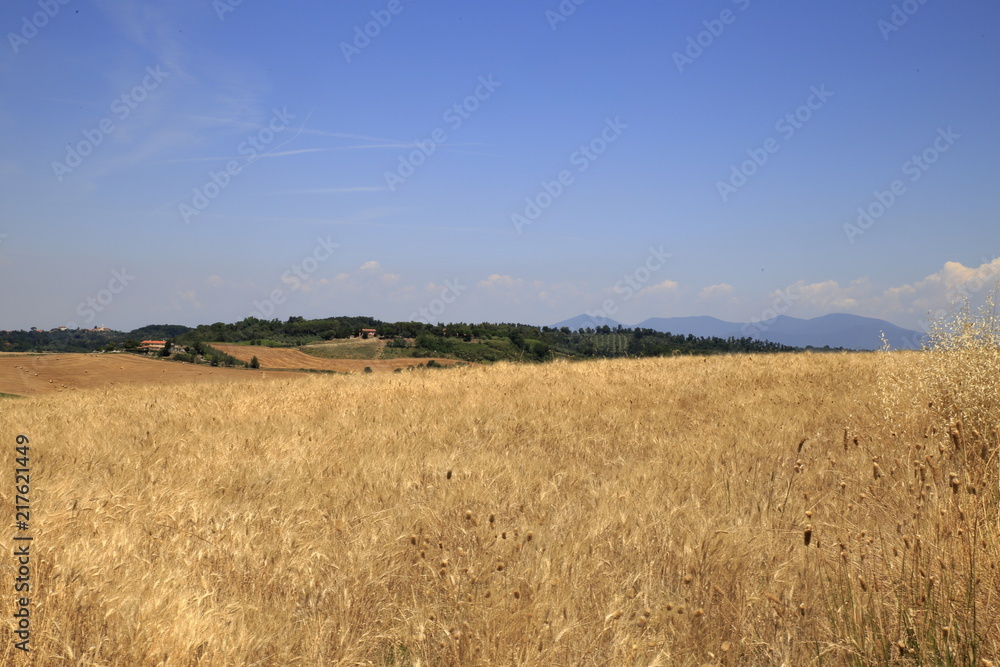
837 330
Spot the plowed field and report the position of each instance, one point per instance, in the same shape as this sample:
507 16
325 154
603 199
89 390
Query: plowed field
289 358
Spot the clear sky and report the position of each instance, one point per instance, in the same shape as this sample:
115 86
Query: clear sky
194 161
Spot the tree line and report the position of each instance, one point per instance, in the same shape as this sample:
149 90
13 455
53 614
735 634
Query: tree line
479 342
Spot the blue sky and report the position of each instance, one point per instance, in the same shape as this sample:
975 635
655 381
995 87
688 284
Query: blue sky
196 161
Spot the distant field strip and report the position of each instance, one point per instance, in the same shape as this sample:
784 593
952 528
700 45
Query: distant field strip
291 358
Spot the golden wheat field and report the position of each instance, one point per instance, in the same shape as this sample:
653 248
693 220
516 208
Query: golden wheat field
808 509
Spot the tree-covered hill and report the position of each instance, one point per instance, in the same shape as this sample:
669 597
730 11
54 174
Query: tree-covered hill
84 340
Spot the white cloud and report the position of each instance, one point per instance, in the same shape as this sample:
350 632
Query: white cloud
716 291
559 295
190 296
369 281
497 281
180 300
661 288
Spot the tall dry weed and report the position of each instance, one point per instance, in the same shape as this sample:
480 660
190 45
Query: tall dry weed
916 576
961 370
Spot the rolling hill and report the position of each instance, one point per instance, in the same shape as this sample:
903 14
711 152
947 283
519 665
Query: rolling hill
835 330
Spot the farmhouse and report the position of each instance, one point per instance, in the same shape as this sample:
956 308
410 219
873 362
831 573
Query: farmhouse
152 345
369 333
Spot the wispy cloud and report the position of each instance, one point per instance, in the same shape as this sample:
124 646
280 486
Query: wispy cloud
259 156
364 219
333 191
204 96
349 135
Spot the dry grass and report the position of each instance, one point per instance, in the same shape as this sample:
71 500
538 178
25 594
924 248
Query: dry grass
631 512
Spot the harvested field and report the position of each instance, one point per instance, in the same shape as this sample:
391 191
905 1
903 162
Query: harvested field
30 374
292 358
351 348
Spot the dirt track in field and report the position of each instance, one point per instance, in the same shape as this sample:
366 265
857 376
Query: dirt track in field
28 375
292 359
